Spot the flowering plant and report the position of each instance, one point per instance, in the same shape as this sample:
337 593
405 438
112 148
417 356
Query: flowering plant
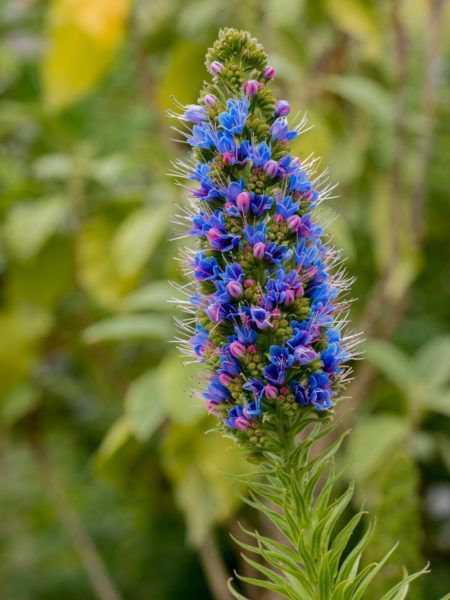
267 316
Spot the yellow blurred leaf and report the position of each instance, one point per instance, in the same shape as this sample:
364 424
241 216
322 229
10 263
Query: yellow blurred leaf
316 141
183 75
22 331
97 272
84 36
204 468
359 19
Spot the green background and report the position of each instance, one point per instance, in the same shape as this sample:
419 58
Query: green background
110 487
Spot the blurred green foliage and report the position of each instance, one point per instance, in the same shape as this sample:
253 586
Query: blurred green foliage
107 472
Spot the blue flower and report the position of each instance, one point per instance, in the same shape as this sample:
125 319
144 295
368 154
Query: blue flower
255 386
286 207
202 136
279 355
234 118
260 204
205 267
255 233
276 254
199 340
275 374
259 154
216 392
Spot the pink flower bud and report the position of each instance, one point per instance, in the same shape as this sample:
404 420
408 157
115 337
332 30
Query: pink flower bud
213 312
290 297
215 68
249 283
210 100
251 349
225 379
271 168
279 218
299 291
270 391
282 108
234 288
213 235
237 349
269 72
276 313
252 87
294 223
259 250
285 390
228 158
243 201
211 407
241 423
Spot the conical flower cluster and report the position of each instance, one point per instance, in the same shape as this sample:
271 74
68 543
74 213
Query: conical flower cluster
266 313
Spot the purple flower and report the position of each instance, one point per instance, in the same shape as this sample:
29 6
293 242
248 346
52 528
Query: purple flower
215 68
195 113
280 130
209 99
305 355
260 317
251 87
282 108
269 73
271 168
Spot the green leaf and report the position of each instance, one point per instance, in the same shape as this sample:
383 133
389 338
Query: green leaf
371 442
15 405
179 382
144 408
363 93
137 238
439 401
83 39
128 328
117 436
154 296
338 228
29 225
433 361
380 219
392 362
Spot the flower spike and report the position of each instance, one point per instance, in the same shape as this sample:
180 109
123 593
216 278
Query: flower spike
266 298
